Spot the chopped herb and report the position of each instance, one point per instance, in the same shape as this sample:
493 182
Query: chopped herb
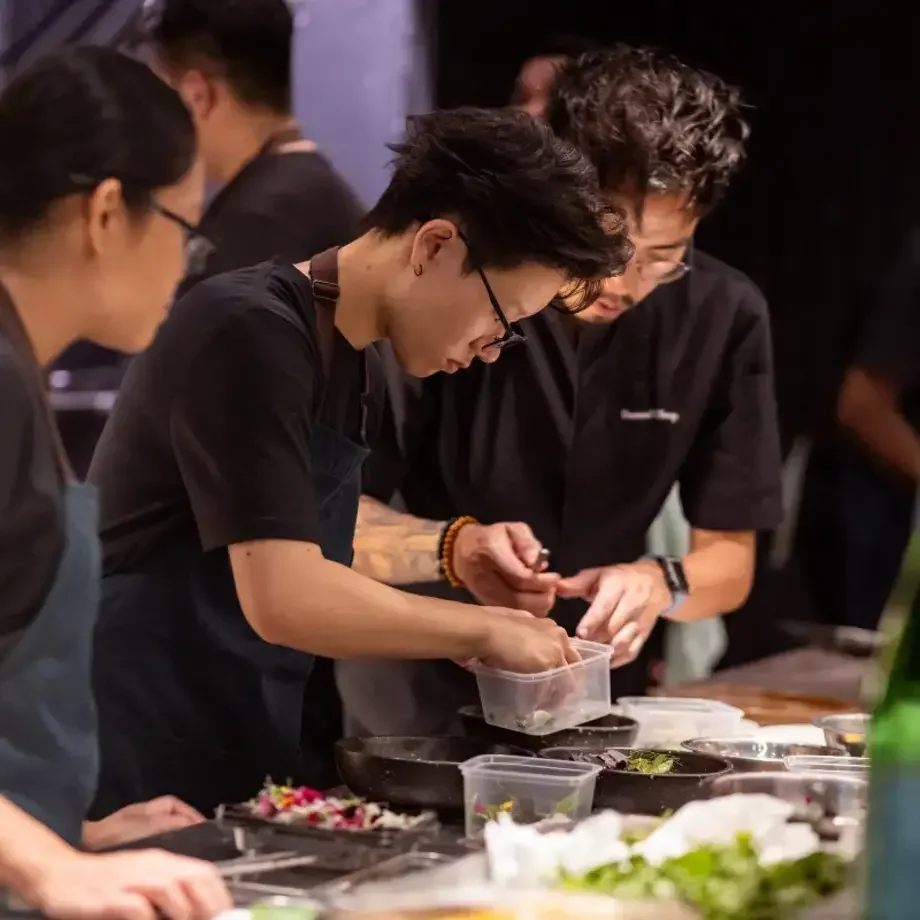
650 762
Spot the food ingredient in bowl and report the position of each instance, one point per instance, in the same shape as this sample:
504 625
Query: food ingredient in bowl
651 762
648 762
303 805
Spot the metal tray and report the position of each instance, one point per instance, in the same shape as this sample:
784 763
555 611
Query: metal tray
239 815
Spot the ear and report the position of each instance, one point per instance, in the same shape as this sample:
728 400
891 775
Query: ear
436 240
198 93
105 210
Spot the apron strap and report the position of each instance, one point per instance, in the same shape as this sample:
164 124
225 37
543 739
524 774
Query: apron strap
324 281
11 323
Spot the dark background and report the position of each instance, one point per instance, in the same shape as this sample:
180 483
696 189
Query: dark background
814 219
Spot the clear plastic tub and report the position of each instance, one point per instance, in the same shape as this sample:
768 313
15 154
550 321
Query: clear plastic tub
527 789
550 701
666 722
835 766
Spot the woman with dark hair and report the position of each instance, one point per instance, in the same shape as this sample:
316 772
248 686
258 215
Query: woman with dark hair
99 189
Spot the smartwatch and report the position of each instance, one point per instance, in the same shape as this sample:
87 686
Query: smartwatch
676 580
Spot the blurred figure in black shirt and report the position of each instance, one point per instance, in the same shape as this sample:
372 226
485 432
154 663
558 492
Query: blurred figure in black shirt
879 407
230 60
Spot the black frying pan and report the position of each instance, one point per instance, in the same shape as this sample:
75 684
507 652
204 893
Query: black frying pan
606 732
649 794
411 772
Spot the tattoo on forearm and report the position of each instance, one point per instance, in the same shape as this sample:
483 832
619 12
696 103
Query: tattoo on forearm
393 547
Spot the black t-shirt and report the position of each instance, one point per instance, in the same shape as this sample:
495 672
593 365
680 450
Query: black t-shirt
891 341
210 437
583 438
289 205
31 497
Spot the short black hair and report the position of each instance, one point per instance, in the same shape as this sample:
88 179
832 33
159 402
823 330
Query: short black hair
651 123
247 42
78 117
517 192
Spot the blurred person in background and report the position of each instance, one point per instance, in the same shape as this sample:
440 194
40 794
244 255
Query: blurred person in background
278 195
879 408
230 61
576 439
229 472
98 192
535 80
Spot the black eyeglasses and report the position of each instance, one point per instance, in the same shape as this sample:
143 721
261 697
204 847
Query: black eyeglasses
197 246
513 335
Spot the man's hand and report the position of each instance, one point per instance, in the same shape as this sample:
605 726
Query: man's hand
142 885
137 821
626 601
495 564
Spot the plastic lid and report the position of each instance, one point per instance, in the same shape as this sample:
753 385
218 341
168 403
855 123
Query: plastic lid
530 767
590 652
678 704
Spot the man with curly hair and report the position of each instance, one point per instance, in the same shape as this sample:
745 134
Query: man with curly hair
576 440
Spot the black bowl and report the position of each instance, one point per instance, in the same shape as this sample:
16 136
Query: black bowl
650 793
412 772
600 734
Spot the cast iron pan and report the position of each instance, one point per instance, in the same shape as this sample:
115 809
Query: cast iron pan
650 794
411 772
606 732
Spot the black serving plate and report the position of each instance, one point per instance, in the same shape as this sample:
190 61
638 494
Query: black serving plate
606 732
412 772
650 794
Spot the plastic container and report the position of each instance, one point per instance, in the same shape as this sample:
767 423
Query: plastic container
666 722
550 701
832 766
525 788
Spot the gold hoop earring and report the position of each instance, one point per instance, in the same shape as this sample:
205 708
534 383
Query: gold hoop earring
417 270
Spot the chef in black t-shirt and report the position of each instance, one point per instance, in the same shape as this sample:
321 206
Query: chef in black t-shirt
576 439
229 472
278 195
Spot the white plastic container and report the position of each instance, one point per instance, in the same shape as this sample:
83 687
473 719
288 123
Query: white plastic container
668 721
550 701
528 789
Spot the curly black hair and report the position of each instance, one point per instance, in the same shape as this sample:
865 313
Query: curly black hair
517 192
650 123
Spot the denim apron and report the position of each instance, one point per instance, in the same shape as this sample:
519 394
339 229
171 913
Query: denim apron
192 702
48 752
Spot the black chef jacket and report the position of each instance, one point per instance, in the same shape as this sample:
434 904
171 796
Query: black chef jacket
585 441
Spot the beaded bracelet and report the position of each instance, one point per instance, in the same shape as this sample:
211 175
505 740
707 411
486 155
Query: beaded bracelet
446 544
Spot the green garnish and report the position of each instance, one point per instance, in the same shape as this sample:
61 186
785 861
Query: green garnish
722 882
650 762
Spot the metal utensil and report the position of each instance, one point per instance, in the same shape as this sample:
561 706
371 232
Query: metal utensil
845 732
541 560
849 640
237 868
755 754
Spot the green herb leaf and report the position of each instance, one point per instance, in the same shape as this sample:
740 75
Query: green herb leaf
650 762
